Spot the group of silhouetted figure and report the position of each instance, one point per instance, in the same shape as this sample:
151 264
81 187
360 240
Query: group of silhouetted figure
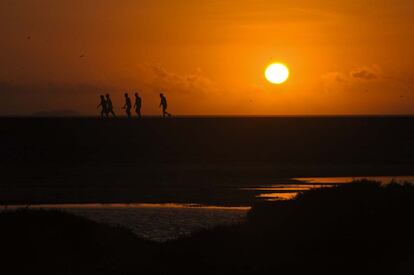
107 108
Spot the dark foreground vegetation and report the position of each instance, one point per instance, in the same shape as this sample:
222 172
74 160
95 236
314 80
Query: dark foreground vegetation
361 228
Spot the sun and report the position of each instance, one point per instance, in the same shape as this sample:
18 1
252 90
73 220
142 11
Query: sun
277 73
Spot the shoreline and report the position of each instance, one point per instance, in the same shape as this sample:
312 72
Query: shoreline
221 194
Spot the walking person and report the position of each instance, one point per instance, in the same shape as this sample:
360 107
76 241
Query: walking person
110 107
138 103
164 106
103 104
128 105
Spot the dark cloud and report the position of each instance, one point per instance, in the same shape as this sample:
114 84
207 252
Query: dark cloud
180 83
365 74
349 80
341 78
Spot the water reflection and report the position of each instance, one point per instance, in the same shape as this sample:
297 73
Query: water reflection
290 191
157 222
130 206
161 222
340 180
283 191
278 196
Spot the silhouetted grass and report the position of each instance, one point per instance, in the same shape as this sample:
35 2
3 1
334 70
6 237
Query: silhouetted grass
362 227
55 242
357 228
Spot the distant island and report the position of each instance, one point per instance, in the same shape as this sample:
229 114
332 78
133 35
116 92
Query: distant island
57 113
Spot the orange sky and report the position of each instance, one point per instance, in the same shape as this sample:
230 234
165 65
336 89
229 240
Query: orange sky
345 57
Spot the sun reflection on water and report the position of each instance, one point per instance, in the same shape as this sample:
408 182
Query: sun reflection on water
290 191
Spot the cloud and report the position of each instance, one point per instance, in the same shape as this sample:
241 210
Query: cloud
352 77
334 77
28 98
366 73
180 83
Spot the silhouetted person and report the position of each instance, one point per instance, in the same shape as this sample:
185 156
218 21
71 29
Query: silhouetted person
138 103
104 107
128 105
164 106
110 107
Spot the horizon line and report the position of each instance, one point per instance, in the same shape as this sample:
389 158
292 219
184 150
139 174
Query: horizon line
212 116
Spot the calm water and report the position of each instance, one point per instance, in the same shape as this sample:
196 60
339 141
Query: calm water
162 222
157 222
290 191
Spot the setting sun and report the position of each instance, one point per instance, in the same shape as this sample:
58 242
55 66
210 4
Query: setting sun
277 73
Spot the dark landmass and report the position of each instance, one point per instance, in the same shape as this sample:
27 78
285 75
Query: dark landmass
54 242
191 160
361 228
57 113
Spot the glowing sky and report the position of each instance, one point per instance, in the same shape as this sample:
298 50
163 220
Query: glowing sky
345 57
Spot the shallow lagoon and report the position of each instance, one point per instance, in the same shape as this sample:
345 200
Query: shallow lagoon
163 222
